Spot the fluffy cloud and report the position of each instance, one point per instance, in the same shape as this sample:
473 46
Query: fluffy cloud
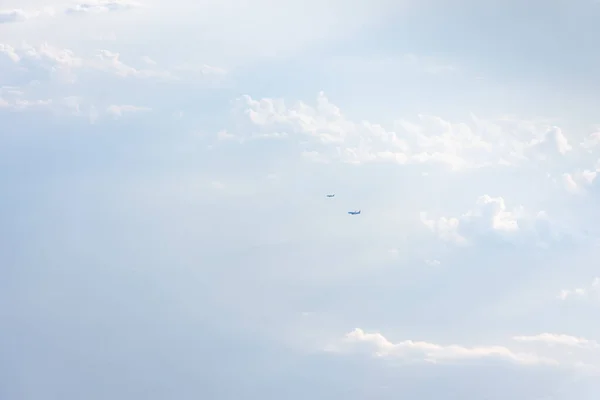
580 181
378 345
430 139
553 140
44 75
108 61
12 16
55 59
489 216
20 15
13 99
591 141
592 290
21 105
102 6
98 6
559 339
62 62
9 52
557 350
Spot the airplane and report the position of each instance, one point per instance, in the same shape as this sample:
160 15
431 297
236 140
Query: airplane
331 195
354 212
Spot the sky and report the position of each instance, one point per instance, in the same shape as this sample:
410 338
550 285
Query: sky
165 227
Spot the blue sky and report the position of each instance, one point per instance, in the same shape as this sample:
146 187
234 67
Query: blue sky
165 230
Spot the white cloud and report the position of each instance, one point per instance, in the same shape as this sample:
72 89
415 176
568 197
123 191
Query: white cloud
579 181
422 351
102 6
58 63
590 143
570 184
430 139
63 62
593 288
12 16
564 293
108 61
9 52
25 104
553 339
445 228
14 99
246 36
20 15
490 215
57 56
552 140
21 105
89 7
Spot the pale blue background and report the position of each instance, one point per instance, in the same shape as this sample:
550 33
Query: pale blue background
142 258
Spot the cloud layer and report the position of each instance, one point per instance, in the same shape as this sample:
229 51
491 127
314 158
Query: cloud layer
165 220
